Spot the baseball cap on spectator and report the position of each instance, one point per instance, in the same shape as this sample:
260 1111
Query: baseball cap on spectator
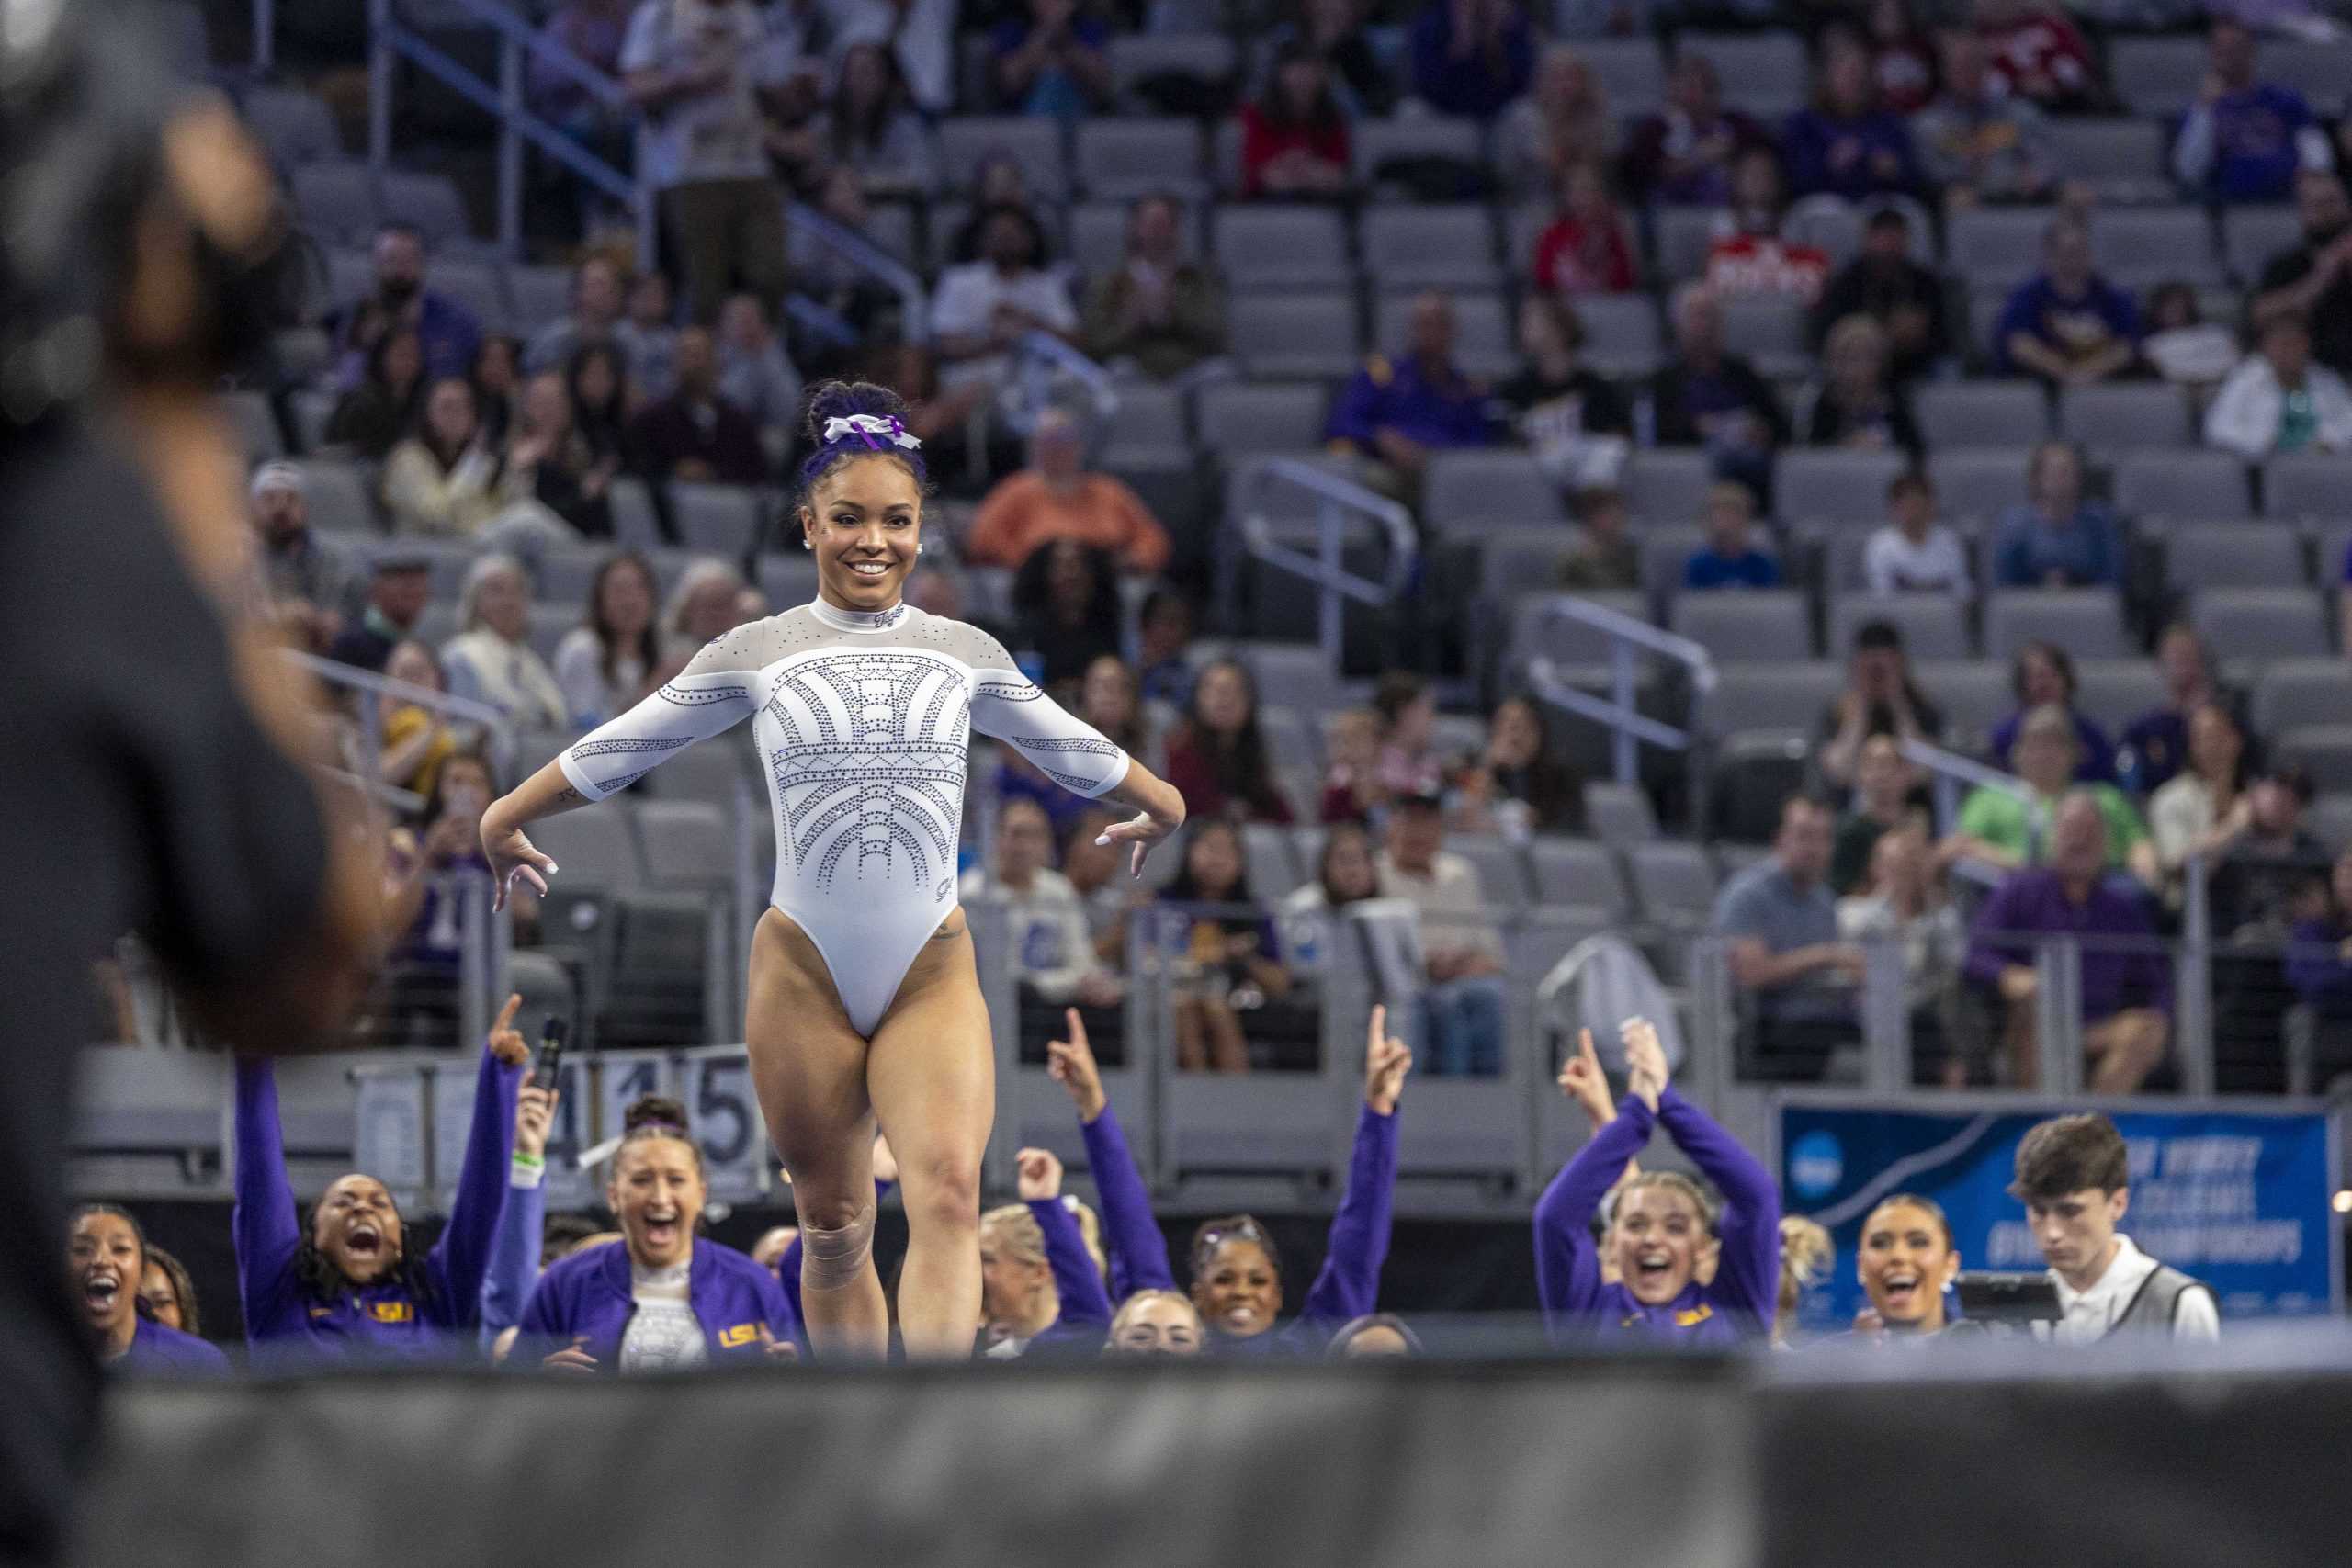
276 476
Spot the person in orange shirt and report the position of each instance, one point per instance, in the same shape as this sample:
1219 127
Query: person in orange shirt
1054 497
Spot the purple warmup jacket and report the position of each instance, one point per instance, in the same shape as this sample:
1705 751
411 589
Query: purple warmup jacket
383 1319
590 1293
1347 1285
1085 1319
160 1352
1737 1306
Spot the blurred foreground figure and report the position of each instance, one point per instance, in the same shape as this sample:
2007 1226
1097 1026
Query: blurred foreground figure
151 735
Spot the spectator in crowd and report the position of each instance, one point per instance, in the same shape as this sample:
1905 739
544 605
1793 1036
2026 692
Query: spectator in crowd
1749 257
2006 830
872 131
1905 1261
307 580
1052 951
1460 1009
921 35
1649 1286
1041 1267
1979 142
1576 424
1216 757
2245 140
1603 557
1706 397
2272 874
1227 962
663 1298
2074 1176
554 463
2313 280
1562 121
399 587
1880 698
1397 411
1588 249
754 376
2126 991
2039 55
1903 297
2044 676
446 330
1902 900
1515 787
1901 69
2181 346
1158 311
596 304
1912 553
2203 808
1472 57
1110 700
594 31
1729 558
599 403
1781 925
1682 156
1294 141
1345 873
1882 786
695 434
2157 742
2278 401
417 740
1163 631
2067 324
107 1255
497 378
1335 30
1056 498
1845 143
699 70
1054 61
982 308
605 666
940 414
1407 761
429 876
1352 791
703 604
1096 869
1154 1323
1855 402
648 340
168 1293
837 281
490 659
446 480
1066 595
371 418
2319 961
2056 538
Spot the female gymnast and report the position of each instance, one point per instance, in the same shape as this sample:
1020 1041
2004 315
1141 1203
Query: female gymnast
864 1003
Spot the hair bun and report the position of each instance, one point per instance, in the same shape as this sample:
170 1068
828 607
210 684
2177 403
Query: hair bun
841 399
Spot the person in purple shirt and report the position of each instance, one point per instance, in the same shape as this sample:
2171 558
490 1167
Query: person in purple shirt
1041 1288
1397 411
107 1256
2066 324
1472 57
1236 1277
515 1249
663 1298
2245 140
450 335
2126 985
1660 1224
345 1283
1682 156
1729 558
2044 676
1844 144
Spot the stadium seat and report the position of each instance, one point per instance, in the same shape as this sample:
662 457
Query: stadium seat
336 201
1501 868
1139 61
2232 555
1293 676
597 849
1933 626
1429 246
2320 72
1291 741
296 127
2308 486
1630 72
1483 343
2157 77
2120 416
2186 483
1034 141
1621 335
1769 332
257 425
636 525
1376 144
2114 692
1238 418
2252 235
427 203
1668 484
1150 415
1975 694
2295 692
1580 872
473 282
1674 882
1666 549
715 519
340 498
1297 336
2138 247
2122 159
1789 697
1837 488
538 295
1994 247
1122 159
549 625
1770 626
1468 492
2087 622
1512 561
1619 815
789 577
1281 247
1682 236
1956 416
1269 863
2261 623
2324 751
1763 74
1570 644
1978 486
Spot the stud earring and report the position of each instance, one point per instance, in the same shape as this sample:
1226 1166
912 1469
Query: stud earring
807 542
918 549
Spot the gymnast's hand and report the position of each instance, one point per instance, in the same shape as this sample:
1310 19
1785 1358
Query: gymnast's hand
1159 811
510 856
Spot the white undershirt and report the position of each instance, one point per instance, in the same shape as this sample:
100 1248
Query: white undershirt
662 1335
2088 1315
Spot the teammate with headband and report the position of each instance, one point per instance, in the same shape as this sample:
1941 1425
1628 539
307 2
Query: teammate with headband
864 1003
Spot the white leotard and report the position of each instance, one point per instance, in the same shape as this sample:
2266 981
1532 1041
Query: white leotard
863 723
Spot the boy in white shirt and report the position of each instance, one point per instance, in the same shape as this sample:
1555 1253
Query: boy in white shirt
1913 553
2074 1176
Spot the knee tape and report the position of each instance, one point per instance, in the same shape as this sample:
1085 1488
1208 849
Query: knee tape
831 1258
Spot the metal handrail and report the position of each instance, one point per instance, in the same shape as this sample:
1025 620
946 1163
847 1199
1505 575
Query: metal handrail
1038 356
866 256
1951 770
494 723
1336 499
1626 634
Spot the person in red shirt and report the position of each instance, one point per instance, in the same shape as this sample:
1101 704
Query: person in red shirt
1055 498
1588 249
2038 54
1294 139
1752 260
1216 755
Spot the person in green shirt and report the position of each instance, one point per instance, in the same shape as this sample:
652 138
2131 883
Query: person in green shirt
2000 829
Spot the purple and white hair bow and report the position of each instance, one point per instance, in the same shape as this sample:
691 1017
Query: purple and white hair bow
874 429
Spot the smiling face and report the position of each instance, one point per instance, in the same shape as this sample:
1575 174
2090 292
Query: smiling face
357 1229
1238 1292
106 1262
1656 1239
1905 1263
657 1193
161 1298
865 521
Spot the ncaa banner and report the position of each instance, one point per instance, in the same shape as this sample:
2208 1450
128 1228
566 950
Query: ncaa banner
2240 1199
